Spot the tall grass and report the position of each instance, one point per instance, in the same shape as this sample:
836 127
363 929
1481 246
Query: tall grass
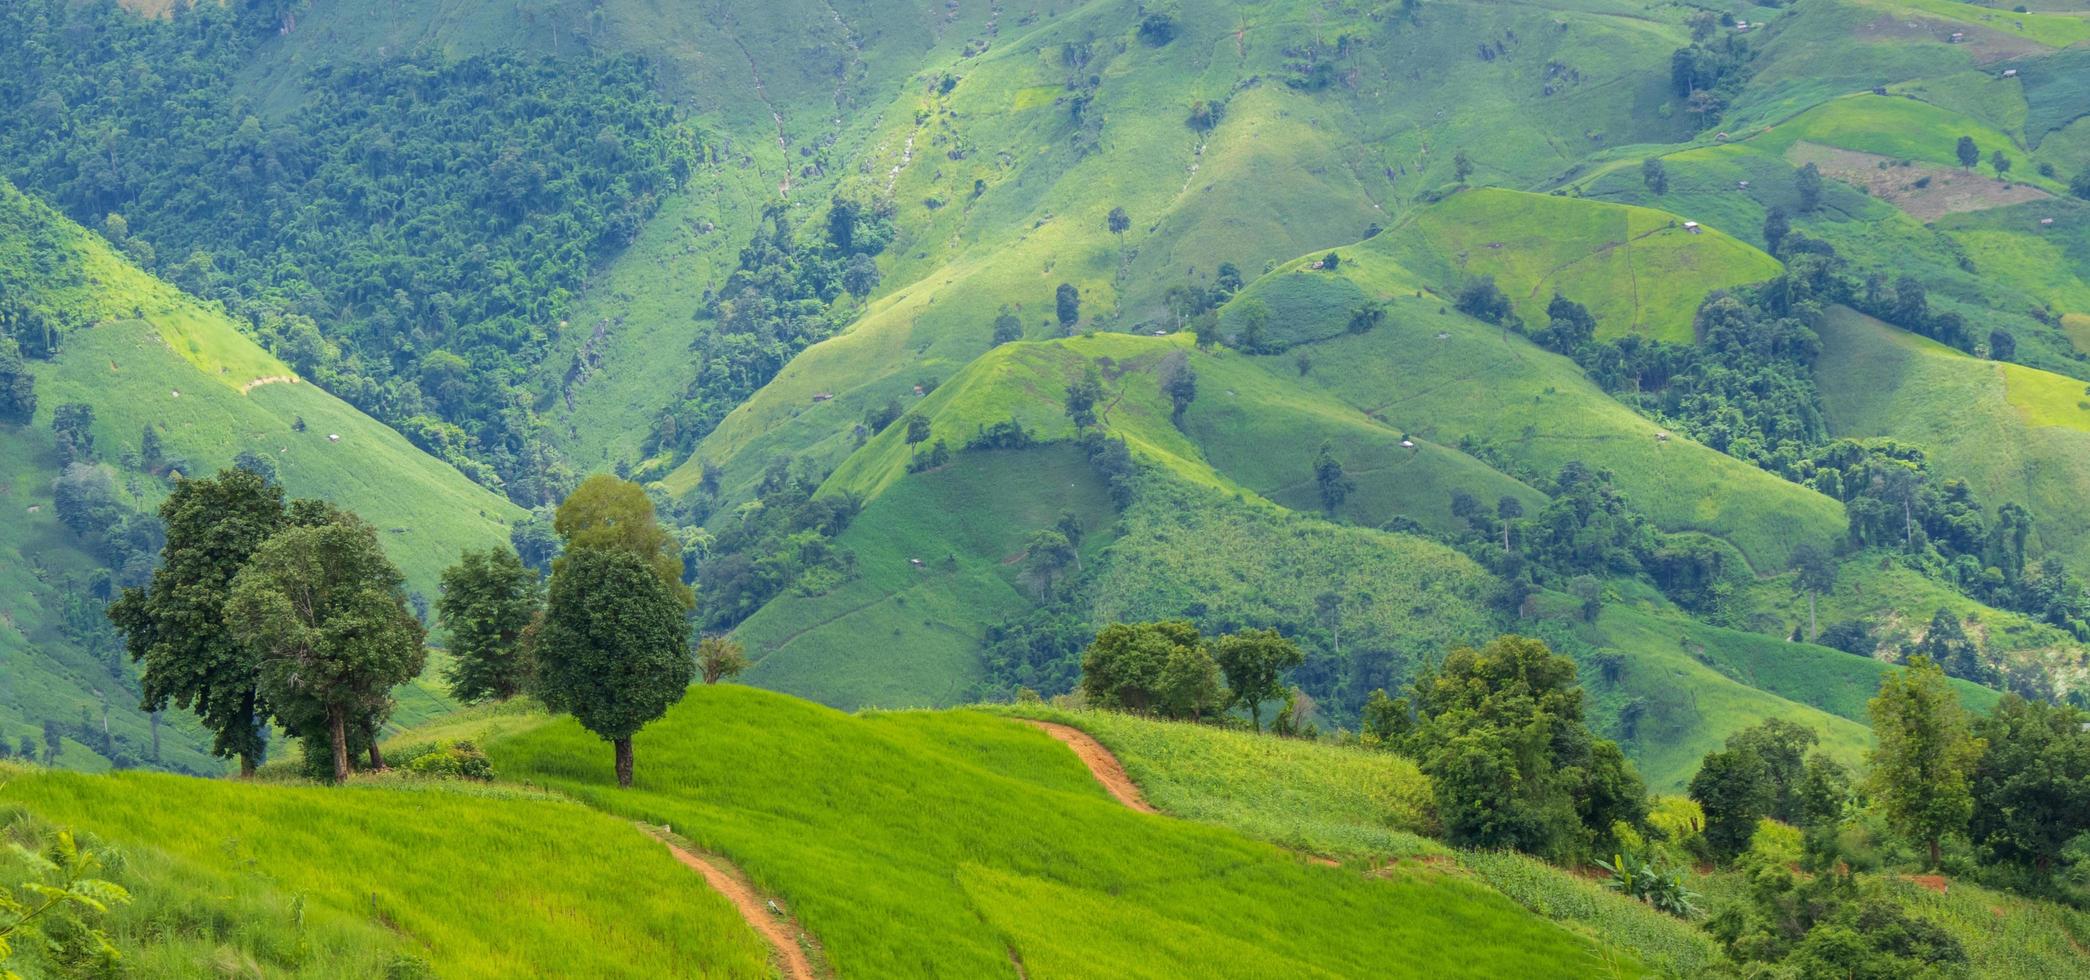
358 880
943 844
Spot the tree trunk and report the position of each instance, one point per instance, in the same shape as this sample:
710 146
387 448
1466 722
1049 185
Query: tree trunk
337 726
1813 632
1255 714
377 758
155 717
246 766
1933 854
623 762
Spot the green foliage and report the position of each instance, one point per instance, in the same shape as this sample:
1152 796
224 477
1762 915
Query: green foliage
1921 773
322 613
488 600
17 384
1827 924
1162 668
176 626
59 907
1254 662
368 211
2031 786
606 513
720 658
1500 733
456 760
1663 888
614 648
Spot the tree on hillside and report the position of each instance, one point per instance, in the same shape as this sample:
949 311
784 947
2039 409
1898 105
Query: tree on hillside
1082 396
256 463
1922 766
1815 575
17 384
1047 558
1329 476
1007 328
323 614
917 429
1482 300
1946 644
1500 731
489 599
1776 225
1067 303
175 626
1118 222
2002 345
860 277
2032 785
1654 175
1569 325
72 425
614 647
606 512
1461 166
1735 789
720 658
1508 509
1150 668
1179 383
1807 183
1999 160
1969 154
1254 662
85 498
534 541
2080 185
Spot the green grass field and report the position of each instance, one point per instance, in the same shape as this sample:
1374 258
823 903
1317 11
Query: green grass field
371 879
993 845
2013 433
1638 270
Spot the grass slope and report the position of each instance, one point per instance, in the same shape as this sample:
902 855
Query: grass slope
156 357
900 635
1637 269
994 847
372 880
2013 433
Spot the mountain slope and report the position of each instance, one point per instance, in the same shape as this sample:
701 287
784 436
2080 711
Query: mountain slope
140 354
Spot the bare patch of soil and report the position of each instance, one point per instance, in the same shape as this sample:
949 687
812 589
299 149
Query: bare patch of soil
1102 765
1926 191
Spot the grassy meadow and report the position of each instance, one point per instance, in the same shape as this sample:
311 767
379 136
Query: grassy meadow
994 846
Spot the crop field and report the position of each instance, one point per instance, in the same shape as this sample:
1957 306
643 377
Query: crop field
1000 849
375 879
1637 269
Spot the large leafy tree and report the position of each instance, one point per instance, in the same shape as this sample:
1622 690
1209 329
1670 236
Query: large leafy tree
2032 786
1151 667
605 512
323 613
489 598
175 625
1923 766
614 647
1254 662
1500 732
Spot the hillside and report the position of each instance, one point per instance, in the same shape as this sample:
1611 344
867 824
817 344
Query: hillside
141 354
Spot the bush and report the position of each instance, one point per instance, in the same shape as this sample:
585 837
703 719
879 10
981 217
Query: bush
458 760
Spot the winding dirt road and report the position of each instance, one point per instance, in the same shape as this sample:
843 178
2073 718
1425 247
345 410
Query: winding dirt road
780 931
1102 765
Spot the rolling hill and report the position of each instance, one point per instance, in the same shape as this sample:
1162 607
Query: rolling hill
145 355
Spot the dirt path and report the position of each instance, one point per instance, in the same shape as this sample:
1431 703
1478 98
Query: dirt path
273 379
779 930
1101 763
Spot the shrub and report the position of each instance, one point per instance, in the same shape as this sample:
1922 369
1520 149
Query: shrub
458 760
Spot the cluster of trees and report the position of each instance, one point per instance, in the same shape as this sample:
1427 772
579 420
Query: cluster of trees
416 267
784 539
264 610
778 301
1512 762
1709 72
1169 669
2005 798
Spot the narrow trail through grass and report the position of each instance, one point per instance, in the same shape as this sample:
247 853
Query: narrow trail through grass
777 927
1101 764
